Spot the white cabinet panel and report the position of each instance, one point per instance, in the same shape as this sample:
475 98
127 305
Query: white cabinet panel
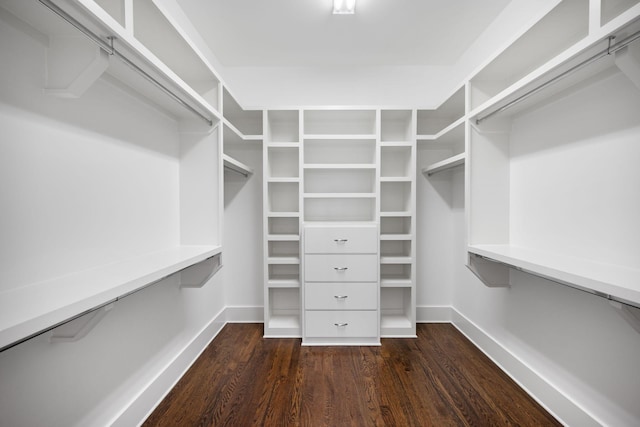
333 240
341 268
330 324
341 296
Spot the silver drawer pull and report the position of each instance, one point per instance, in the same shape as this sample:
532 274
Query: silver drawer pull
340 268
338 241
341 325
341 296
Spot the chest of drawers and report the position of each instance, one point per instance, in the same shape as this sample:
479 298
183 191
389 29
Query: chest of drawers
341 288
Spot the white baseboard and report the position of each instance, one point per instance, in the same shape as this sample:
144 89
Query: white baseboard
146 401
552 399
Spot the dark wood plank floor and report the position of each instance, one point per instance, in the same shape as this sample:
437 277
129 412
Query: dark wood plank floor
439 379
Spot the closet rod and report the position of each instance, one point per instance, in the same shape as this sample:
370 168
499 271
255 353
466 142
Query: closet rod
98 307
563 283
611 49
111 50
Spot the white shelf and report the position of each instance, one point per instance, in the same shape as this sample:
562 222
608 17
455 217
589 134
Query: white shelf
395 214
445 164
396 144
395 179
283 144
395 260
339 166
283 260
284 281
28 310
395 236
339 195
236 166
617 281
340 136
283 237
283 214
283 179
443 133
284 321
391 282
394 321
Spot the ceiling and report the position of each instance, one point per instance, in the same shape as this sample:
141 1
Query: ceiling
304 33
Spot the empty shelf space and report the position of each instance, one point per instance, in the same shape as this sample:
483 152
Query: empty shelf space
395 179
451 162
284 321
28 310
394 321
283 214
395 282
235 165
618 282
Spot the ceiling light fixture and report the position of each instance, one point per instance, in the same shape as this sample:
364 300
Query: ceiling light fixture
344 7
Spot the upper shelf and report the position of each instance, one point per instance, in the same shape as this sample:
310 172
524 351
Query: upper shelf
247 123
30 309
156 48
512 77
236 166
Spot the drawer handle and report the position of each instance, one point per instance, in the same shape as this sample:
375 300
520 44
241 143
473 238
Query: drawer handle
341 296
340 268
341 325
339 241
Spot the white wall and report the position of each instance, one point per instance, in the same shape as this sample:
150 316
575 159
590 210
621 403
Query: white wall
84 182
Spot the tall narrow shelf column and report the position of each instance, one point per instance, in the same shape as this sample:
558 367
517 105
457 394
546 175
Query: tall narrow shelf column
282 214
397 184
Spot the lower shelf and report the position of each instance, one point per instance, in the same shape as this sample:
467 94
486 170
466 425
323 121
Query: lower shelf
29 310
612 281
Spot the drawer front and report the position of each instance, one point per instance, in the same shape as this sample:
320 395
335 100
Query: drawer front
341 268
341 296
341 324
341 240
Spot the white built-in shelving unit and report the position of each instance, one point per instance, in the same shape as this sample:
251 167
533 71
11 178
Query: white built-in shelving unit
339 169
544 161
239 126
148 39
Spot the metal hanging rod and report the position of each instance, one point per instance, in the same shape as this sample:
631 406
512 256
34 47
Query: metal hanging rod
611 49
111 50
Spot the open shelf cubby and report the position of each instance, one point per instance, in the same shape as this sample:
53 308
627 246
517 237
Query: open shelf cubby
396 125
396 161
283 126
339 181
283 162
340 122
339 152
397 313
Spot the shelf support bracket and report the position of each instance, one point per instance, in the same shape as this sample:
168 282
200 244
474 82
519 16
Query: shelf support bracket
80 327
492 273
73 66
199 274
627 60
628 313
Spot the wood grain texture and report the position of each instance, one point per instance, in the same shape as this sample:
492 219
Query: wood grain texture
438 379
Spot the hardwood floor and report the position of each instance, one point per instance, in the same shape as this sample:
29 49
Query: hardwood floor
439 379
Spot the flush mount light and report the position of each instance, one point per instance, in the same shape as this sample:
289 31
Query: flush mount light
344 7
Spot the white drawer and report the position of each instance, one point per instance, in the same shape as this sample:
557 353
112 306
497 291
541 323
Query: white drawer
341 324
341 296
336 240
341 268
